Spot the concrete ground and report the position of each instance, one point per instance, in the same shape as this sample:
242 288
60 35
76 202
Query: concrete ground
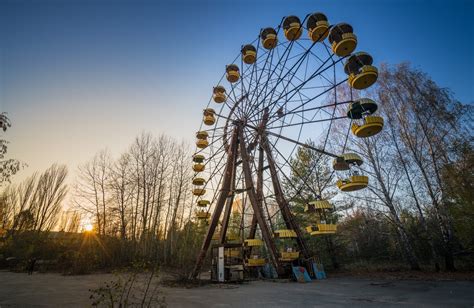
54 290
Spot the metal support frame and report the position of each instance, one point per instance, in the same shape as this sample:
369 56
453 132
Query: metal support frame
228 206
266 234
282 203
253 224
255 196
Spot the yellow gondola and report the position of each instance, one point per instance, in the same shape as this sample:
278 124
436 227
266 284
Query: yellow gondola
355 182
292 28
253 262
363 106
343 40
202 215
371 126
345 160
321 228
340 164
253 242
362 74
199 181
219 94
269 38
202 134
209 118
202 143
199 191
198 167
289 255
203 203
249 54
318 205
353 159
232 237
198 158
285 233
232 73
318 26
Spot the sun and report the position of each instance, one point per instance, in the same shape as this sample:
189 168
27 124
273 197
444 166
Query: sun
88 227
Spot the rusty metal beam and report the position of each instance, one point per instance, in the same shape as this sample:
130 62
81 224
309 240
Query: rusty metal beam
282 203
253 225
266 234
228 205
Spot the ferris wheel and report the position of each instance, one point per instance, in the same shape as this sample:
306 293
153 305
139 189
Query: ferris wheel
280 91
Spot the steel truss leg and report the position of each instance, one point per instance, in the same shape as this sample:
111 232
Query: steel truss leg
267 236
283 205
253 224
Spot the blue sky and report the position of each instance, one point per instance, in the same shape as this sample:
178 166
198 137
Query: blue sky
79 76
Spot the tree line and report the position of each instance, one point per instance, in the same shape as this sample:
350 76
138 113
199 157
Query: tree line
417 211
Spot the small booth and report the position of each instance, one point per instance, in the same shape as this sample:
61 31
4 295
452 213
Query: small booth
227 262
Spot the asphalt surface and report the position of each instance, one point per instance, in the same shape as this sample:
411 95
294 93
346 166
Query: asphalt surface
54 290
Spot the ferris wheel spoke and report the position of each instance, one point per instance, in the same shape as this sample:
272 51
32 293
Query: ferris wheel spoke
286 52
324 147
293 73
314 75
308 122
303 179
278 81
262 71
310 51
295 142
322 68
302 105
335 104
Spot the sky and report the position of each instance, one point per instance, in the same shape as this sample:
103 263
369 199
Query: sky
80 76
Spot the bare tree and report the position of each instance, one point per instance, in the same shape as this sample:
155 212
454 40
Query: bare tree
49 194
427 121
36 203
121 190
91 193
